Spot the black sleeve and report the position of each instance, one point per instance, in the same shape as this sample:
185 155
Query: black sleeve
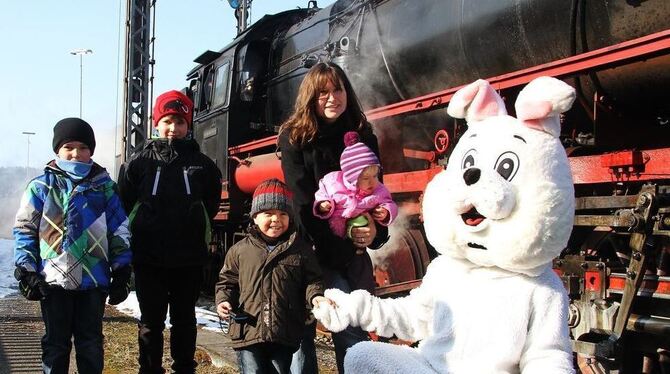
212 187
127 189
332 251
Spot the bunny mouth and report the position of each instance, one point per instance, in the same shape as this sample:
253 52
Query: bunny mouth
476 246
472 217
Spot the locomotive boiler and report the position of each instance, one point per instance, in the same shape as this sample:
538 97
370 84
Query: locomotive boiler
405 59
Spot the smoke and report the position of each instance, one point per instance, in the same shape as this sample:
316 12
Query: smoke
105 149
13 183
381 258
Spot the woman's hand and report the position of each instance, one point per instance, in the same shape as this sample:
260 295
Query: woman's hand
223 309
363 236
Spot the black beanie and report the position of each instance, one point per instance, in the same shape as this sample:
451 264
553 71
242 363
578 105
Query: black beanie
73 129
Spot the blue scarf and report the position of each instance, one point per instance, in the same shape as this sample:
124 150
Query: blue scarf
75 169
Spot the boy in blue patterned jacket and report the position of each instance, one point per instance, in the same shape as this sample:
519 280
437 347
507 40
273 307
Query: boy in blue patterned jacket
72 249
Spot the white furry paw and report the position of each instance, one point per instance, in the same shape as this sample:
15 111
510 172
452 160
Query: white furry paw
334 316
331 317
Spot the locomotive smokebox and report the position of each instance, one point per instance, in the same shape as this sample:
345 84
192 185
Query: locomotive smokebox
251 171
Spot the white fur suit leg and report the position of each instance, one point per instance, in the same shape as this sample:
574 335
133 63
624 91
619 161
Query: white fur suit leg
384 358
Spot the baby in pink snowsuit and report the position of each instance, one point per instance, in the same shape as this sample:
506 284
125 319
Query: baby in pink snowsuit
346 194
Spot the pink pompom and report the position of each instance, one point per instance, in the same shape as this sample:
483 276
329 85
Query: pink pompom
351 138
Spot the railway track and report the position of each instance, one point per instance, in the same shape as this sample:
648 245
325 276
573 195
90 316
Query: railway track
21 329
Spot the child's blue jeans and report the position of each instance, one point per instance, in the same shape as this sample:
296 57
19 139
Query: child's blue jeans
264 358
73 313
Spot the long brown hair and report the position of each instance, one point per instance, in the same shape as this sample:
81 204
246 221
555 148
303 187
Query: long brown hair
302 124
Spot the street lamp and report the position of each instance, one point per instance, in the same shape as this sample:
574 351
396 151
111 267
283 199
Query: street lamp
81 52
28 133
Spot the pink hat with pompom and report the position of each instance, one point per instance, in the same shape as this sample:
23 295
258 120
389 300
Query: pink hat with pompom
355 157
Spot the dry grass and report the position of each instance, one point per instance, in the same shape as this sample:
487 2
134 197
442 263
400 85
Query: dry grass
121 349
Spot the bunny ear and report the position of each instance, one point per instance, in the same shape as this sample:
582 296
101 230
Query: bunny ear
541 101
476 101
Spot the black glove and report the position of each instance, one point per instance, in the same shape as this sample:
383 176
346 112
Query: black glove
120 285
31 284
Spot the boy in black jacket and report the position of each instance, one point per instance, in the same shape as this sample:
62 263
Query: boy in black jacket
172 191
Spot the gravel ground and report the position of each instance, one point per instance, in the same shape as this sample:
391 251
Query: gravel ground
325 354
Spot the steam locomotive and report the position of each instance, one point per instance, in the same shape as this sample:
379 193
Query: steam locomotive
405 59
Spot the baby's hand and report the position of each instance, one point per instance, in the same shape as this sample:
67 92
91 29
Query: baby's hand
325 206
223 309
379 213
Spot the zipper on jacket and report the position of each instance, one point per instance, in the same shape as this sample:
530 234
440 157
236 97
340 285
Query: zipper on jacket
186 182
158 175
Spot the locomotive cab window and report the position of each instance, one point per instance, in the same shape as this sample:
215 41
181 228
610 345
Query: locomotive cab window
220 96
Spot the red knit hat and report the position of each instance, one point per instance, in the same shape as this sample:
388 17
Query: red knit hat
271 194
355 157
173 102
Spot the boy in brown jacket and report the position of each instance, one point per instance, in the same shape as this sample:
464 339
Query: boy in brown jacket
264 283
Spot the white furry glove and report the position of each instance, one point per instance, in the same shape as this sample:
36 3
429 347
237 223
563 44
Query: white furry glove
352 309
334 317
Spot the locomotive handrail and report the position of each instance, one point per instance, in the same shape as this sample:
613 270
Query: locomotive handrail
256 144
635 49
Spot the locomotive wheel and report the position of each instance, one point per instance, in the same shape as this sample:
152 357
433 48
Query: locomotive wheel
215 257
404 258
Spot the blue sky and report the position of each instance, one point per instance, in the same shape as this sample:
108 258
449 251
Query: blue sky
39 78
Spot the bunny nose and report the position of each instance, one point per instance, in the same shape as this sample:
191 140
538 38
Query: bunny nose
471 176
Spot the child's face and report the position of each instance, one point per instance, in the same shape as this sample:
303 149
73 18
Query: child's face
368 180
331 102
272 223
75 151
172 126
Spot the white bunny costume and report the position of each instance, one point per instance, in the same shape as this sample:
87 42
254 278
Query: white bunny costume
498 214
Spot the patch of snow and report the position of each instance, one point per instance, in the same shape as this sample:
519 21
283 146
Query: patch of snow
205 318
8 285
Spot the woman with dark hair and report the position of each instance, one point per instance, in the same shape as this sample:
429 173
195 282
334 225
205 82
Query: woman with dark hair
311 144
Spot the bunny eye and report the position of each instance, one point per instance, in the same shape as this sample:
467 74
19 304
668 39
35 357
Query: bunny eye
469 159
507 165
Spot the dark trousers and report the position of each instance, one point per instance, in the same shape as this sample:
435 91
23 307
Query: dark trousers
304 359
157 288
67 314
265 358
